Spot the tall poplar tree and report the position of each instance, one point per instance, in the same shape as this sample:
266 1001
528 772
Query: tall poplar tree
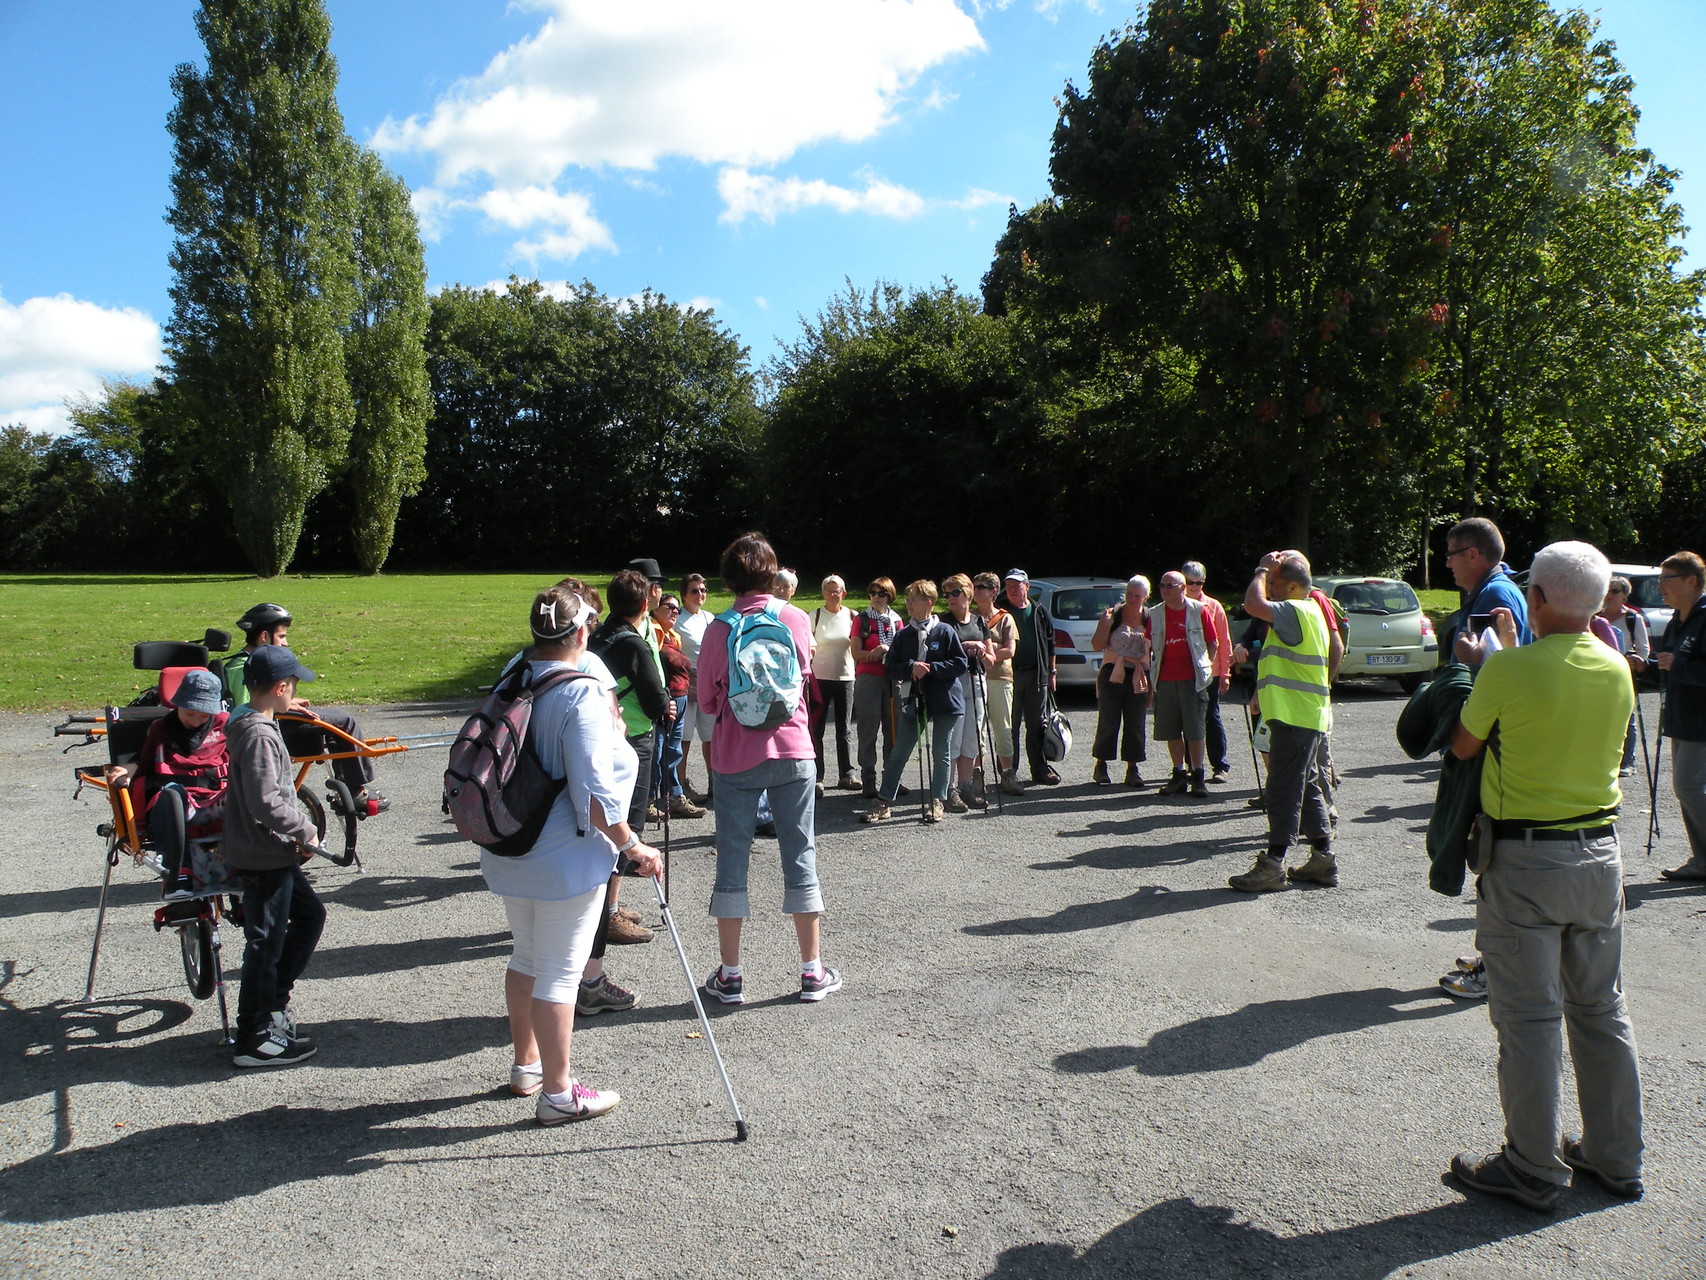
386 348
265 271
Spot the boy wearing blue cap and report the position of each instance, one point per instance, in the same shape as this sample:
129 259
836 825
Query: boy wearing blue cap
267 839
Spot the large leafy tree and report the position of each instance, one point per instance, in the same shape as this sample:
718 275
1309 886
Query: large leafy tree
1325 265
263 263
386 362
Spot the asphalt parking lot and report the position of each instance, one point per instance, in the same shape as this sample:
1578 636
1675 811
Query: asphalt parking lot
1064 1048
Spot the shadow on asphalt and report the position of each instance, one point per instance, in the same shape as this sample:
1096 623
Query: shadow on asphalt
1636 895
383 893
1379 813
1183 1238
120 894
1147 903
372 958
1242 1038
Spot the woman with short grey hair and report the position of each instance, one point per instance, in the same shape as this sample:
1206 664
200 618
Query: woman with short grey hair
1122 684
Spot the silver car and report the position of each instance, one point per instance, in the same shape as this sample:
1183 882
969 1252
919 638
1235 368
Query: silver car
1076 605
1389 635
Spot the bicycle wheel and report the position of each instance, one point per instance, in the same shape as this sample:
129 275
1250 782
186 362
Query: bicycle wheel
312 806
196 939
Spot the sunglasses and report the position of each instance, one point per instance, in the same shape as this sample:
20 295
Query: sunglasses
673 608
1194 582
956 592
886 595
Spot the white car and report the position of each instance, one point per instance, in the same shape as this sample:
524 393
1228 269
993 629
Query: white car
1076 605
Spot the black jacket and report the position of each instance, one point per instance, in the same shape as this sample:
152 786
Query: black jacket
1685 682
1424 727
630 660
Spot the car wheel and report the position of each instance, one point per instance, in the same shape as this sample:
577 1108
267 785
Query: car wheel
1410 681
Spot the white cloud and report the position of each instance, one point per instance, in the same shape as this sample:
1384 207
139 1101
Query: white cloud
977 197
700 302
744 82
746 194
55 347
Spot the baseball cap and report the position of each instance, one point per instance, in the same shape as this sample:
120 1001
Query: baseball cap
271 663
1017 575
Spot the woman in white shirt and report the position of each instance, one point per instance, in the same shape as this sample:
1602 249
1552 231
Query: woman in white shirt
832 664
554 893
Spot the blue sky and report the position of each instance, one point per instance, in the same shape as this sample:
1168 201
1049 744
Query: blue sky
746 155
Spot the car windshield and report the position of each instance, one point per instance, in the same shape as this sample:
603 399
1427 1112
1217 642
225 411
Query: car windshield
1645 593
1376 597
1084 604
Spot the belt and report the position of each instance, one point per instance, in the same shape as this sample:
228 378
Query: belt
1517 829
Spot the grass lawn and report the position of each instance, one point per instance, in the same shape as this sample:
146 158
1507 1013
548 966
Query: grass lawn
66 638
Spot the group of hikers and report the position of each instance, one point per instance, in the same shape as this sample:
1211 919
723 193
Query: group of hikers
629 679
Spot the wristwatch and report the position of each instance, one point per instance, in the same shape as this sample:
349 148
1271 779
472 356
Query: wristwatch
632 840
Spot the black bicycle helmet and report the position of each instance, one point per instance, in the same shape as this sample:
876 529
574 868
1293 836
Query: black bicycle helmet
263 617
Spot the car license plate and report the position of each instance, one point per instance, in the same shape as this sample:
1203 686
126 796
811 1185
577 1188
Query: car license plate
1387 660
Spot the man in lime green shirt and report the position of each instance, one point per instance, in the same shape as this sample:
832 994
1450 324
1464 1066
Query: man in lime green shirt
1549 903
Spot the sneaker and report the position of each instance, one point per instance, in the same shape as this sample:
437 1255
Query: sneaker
1266 875
1198 786
976 800
848 783
1623 1188
603 997
1133 779
1220 776
1099 773
955 803
269 1048
1469 963
1178 784
582 1104
820 791
1047 778
879 812
1465 984
284 1023
1495 1175
814 987
1322 869
933 811
526 1081
728 990
627 933
1010 784
682 807
653 813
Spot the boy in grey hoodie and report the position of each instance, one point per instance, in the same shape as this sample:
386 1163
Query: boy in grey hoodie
267 839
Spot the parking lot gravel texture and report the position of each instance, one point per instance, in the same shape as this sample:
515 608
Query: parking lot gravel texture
1064 1048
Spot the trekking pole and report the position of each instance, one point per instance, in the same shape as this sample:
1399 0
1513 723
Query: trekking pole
1255 756
699 1006
1641 725
1653 785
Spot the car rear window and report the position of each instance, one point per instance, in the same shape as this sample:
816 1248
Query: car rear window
1376 597
1084 604
1645 593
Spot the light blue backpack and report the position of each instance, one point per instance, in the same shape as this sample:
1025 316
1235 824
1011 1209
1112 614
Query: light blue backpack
764 668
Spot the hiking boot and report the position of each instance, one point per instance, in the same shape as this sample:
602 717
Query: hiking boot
1047 778
653 813
1495 1175
814 987
627 933
954 802
1256 802
1624 1188
1133 779
1266 875
976 799
1198 786
1178 784
933 811
629 914
1322 868
848 783
1010 784
581 1103
728 990
682 807
271 1048
879 812
1466 984
1692 870
525 1081
604 996
977 780
1099 773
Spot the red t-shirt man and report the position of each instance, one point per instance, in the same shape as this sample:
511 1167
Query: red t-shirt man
1176 649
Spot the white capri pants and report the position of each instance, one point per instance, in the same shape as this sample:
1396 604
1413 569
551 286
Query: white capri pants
553 940
969 735
696 726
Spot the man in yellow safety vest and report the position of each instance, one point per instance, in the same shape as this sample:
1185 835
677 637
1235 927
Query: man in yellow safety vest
1295 690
